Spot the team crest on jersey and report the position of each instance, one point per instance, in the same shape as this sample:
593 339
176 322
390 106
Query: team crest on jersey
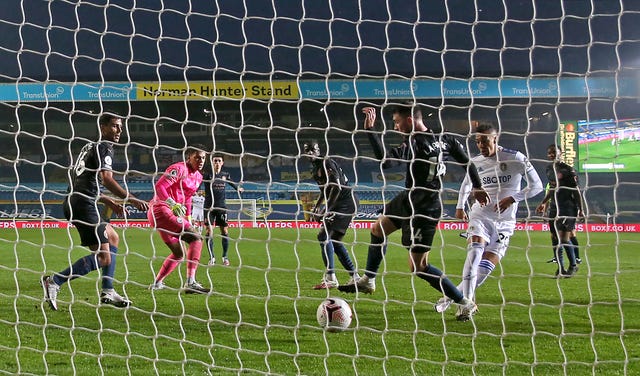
173 173
439 145
503 166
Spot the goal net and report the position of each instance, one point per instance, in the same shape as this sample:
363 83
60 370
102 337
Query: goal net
253 81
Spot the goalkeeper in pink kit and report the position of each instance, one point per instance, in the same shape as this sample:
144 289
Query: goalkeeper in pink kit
169 212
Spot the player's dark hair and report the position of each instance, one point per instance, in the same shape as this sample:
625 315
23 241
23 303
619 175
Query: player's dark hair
196 148
105 119
485 128
557 147
408 109
217 155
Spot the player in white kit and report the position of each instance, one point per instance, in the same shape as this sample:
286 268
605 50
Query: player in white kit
197 210
491 226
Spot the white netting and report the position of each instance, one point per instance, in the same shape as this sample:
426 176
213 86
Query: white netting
254 80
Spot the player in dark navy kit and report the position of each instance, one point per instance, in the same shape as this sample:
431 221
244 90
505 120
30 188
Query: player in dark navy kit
417 209
335 208
564 202
92 168
215 206
555 153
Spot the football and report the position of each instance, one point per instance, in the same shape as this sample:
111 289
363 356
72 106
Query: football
334 314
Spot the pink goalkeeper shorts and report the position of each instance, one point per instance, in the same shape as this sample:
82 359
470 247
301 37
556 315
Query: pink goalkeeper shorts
168 225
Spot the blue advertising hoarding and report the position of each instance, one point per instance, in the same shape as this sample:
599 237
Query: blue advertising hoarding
569 87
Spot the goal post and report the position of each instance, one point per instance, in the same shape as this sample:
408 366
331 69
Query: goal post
242 210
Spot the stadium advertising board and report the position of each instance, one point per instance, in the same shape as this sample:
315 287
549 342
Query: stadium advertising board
565 87
222 89
604 145
443 225
567 141
608 145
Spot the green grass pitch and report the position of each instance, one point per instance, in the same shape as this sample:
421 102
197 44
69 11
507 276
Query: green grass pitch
261 317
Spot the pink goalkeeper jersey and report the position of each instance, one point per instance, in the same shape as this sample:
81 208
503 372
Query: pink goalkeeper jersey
178 182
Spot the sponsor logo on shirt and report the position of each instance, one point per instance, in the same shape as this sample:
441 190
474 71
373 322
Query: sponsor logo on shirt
496 179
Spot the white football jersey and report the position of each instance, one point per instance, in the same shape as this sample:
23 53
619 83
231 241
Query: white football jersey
197 208
501 177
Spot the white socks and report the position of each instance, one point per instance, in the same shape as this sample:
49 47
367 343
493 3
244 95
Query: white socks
470 271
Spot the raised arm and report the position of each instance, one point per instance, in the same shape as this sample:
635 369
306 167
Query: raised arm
376 141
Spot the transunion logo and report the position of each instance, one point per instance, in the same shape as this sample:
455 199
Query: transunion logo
54 95
467 90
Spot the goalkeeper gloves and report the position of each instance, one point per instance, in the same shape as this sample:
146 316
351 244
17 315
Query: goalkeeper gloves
178 210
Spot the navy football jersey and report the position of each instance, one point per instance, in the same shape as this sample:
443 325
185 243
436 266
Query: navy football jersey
563 183
93 158
214 187
329 175
424 155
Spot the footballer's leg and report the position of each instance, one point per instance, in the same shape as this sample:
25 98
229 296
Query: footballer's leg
343 256
475 249
109 294
209 241
387 223
221 222
336 229
169 228
480 233
576 247
554 242
171 262
194 250
224 231
91 236
329 279
561 272
418 238
377 249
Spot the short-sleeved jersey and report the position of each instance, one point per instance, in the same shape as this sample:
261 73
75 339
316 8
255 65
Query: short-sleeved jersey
563 185
197 208
178 182
214 189
93 158
502 175
329 175
424 154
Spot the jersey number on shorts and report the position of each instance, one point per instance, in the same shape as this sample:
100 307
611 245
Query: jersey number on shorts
417 236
